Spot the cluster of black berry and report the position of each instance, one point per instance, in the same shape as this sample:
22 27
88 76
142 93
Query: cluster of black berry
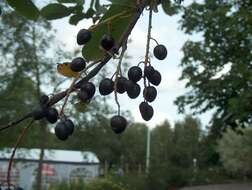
64 127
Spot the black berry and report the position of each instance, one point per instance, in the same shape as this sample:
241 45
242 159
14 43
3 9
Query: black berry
160 52
39 113
118 124
106 86
69 126
135 73
150 93
155 78
133 89
43 100
146 111
107 42
89 87
61 131
78 64
83 96
83 36
148 71
52 115
121 85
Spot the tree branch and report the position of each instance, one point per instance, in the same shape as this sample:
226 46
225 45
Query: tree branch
59 96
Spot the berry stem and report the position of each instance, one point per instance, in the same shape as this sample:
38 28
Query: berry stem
147 59
20 137
154 40
118 71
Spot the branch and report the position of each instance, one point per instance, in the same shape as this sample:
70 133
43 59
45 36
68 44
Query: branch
59 96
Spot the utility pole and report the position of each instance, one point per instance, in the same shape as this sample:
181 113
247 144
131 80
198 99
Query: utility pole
148 151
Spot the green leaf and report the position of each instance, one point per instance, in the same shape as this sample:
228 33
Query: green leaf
168 8
127 3
92 50
22 6
80 2
81 106
76 18
55 11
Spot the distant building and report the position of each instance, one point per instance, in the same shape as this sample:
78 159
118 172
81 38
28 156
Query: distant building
58 165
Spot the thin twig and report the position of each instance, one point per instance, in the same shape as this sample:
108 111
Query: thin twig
14 151
124 48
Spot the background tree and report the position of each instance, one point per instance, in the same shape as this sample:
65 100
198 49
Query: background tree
217 67
235 152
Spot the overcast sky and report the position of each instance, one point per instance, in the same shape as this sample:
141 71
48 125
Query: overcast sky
166 31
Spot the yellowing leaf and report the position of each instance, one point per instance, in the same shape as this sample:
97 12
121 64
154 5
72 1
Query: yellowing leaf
65 70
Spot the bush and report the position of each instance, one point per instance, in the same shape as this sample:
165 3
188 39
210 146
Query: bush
103 184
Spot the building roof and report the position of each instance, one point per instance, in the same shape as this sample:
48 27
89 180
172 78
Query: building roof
51 155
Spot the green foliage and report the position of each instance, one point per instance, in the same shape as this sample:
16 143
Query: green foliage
79 184
104 184
55 11
225 28
236 151
25 8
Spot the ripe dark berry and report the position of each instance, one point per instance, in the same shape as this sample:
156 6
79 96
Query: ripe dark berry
118 124
89 87
146 111
107 42
150 93
133 89
155 78
106 86
83 36
39 113
52 115
121 85
149 71
69 126
43 100
61 131
78 64
135 73
160 52
83 96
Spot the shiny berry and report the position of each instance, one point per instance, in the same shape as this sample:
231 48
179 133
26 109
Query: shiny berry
121 85
135 73
61 131
83 96
118 124
78 64
106 86
83 36
69 126
155 78
160 52
133 89
52 115
89 87
148 71
146 111
107 42
150 93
